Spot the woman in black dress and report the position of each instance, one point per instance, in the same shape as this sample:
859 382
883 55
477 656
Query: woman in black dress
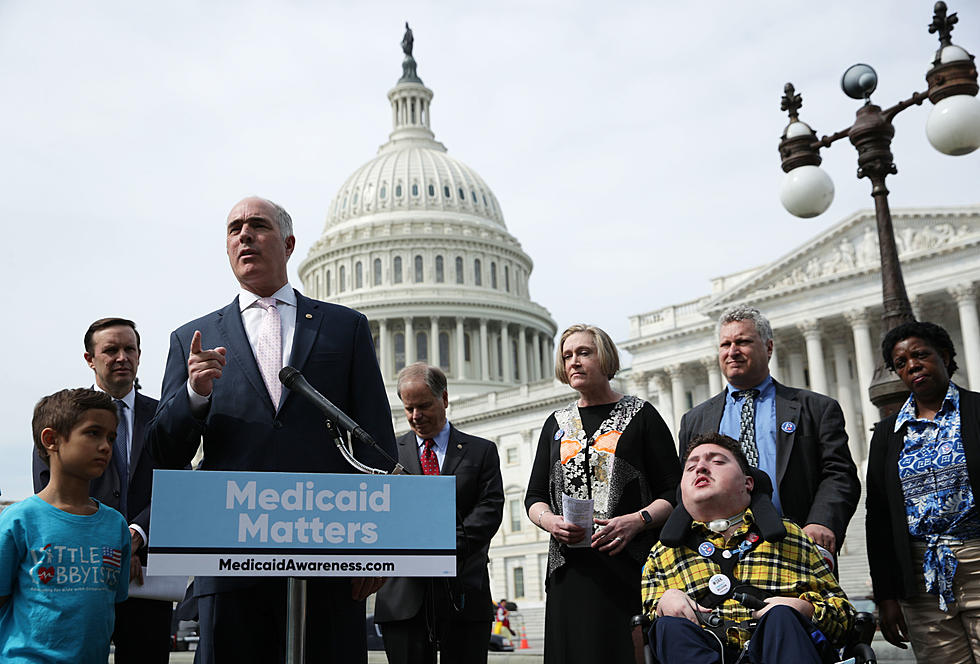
617 451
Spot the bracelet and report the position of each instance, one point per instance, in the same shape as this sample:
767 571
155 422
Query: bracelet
544 510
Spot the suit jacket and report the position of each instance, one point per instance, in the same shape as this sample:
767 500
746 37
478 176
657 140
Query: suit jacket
817 479
243 430
479 510
886 525
107 489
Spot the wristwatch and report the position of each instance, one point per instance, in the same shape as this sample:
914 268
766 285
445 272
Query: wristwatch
647 519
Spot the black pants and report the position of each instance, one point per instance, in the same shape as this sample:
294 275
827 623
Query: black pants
248 626
142 631
783 635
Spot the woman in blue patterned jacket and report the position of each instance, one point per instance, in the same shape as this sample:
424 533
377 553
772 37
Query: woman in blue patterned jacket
923 523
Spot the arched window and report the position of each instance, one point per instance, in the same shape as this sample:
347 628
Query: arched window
377 271
444 351
513 354
358 275
493 275
477 272
397 269
466 347
500 357
507 278
418 269
432 190
399 351
328 283
440 275
398 190
445 191
415 189
341 278
459 269
421 346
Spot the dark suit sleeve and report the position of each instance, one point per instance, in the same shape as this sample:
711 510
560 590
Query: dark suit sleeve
481 523
174 434
369 400
880 536
839 488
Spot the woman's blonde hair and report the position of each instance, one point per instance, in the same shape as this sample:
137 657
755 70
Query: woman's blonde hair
605 349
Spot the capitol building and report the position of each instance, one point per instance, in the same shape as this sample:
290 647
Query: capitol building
415 239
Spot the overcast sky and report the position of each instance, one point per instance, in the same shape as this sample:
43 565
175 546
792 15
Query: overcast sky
632 146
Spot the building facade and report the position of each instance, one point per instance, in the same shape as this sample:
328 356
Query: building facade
416 240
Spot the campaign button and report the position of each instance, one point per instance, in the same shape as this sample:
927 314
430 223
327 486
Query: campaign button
726 554
719 584
559 434
752 538
788 427
706 549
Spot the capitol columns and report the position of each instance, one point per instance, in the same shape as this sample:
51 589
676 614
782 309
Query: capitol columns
538 374
845 397
639 384
665 403
710 365
484 352
864 358
506 358
410 343
814 352
678 391
385 350
522 355
434 358
966 301
460 349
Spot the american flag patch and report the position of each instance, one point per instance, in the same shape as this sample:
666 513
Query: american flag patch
111 557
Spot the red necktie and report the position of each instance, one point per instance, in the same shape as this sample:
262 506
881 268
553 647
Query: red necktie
430 464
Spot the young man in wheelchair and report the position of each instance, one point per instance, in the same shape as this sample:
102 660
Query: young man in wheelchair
735 544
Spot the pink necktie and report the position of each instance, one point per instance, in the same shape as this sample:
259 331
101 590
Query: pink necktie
430 462
268 348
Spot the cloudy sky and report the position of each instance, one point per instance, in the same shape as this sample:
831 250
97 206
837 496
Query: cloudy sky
632 146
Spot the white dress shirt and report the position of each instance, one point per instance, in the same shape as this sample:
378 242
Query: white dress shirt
440 444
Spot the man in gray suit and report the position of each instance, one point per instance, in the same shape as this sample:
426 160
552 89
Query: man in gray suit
795 435
420 616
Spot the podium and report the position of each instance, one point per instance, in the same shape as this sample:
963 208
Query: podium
300 525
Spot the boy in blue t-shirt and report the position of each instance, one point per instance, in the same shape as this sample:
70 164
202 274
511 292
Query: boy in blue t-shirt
64 557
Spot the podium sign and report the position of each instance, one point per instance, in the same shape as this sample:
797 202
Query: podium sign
211 523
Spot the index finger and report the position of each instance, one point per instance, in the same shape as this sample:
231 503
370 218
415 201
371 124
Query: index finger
196 342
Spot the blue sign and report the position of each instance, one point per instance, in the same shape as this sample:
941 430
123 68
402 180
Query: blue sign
213 523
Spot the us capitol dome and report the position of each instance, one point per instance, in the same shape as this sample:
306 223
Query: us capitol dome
416 240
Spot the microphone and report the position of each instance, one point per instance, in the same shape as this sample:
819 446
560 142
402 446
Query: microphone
748 601
294 380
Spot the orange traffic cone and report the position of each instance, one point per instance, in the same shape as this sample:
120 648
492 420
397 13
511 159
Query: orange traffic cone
524 645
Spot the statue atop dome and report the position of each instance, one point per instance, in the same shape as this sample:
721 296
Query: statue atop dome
409 73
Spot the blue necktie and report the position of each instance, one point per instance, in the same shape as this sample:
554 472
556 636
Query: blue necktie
120 456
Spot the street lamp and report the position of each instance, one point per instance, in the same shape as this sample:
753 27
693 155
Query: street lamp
953 128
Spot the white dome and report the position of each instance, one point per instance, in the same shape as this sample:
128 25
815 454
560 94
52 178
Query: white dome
419 177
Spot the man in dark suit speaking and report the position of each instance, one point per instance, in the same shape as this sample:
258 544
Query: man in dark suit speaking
420 616
112 350
795 435
221 383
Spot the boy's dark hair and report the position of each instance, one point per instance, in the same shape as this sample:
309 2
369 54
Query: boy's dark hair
102 324
62 410
934 335
720 440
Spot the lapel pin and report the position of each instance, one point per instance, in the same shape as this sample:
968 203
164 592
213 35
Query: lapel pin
309 315
459 446
788 427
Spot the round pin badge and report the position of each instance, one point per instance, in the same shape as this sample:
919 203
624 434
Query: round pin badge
788 427
706 549
726 554
559 434
752 538
719 584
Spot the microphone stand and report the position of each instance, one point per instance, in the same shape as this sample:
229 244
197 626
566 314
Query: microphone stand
296 587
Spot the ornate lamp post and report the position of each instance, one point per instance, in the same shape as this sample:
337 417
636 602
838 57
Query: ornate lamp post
953 128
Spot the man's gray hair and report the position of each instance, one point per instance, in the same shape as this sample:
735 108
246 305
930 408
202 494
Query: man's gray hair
745 312
285 221
432 376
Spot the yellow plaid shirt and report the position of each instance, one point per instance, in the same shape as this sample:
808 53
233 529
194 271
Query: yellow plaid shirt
791 567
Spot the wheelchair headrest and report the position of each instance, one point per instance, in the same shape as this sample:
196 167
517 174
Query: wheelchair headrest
770 524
